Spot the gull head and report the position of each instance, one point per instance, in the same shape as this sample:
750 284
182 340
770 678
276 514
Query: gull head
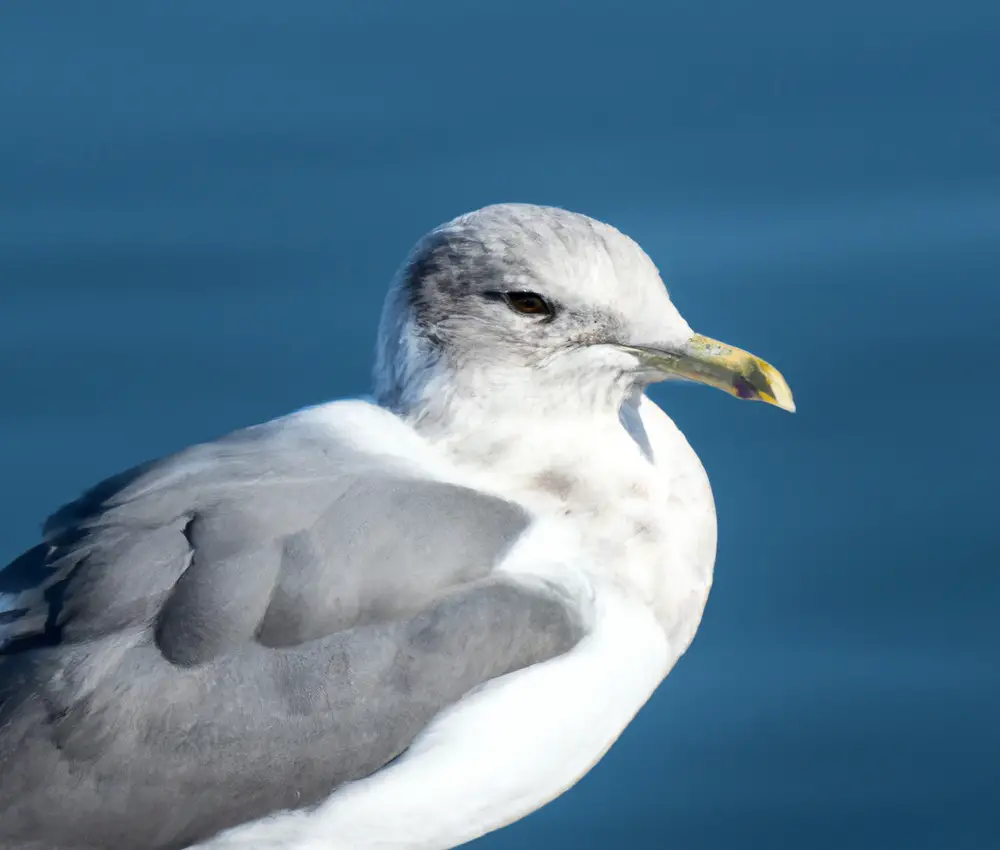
522 307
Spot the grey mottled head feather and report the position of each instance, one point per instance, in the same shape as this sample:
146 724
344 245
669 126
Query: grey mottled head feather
439 318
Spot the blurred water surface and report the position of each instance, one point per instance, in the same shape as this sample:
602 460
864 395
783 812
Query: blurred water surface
201 204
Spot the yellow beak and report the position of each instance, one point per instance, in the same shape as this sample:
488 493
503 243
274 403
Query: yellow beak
732 370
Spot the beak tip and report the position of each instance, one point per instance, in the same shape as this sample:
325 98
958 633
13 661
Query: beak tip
779 393
784 402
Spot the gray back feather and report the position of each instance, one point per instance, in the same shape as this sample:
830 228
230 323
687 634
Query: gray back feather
240 628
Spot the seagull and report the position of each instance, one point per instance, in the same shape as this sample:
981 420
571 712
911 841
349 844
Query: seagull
396 622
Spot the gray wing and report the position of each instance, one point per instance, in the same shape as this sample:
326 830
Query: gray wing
241 628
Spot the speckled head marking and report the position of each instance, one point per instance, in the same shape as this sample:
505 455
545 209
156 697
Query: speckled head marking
447 311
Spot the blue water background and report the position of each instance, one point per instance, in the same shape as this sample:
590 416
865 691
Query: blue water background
201 203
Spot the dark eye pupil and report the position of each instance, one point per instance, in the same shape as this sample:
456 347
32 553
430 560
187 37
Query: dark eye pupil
528 302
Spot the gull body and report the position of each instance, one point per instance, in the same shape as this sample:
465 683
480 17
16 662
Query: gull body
513 355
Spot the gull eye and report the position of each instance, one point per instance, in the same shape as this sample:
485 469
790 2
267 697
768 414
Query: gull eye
529 303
